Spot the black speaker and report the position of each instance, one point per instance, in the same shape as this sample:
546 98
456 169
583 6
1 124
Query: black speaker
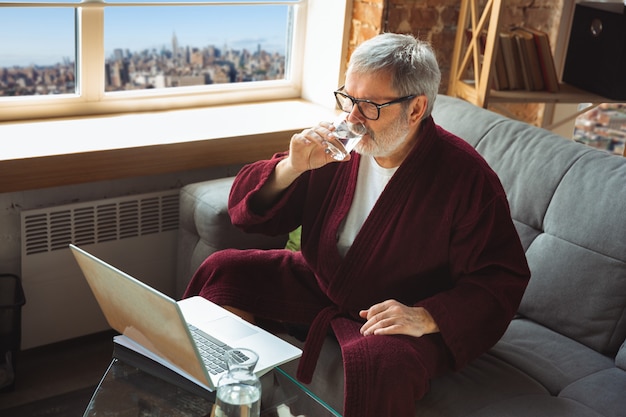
596 54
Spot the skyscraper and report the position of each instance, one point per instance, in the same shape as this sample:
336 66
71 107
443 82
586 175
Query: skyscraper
174 45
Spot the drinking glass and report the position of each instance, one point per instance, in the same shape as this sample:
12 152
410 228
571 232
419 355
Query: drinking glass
344 138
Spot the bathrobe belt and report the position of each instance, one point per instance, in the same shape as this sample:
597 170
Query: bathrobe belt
314 341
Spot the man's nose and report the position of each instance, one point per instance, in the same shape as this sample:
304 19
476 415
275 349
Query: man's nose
355 115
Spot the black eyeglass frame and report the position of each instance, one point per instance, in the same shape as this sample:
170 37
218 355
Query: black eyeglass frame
356 101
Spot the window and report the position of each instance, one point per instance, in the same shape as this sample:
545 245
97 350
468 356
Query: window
40 58
157 47
117 56
602 127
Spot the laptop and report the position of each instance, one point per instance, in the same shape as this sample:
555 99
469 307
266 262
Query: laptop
156 326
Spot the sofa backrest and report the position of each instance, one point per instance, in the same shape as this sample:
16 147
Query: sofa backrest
568 202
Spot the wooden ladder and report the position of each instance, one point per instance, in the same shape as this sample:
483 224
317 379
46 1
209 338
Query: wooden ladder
474 86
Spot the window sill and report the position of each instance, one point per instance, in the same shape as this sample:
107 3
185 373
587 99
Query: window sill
48 153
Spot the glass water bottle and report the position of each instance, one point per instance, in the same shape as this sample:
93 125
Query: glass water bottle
239 390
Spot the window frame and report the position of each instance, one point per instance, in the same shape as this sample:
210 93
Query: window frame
310 76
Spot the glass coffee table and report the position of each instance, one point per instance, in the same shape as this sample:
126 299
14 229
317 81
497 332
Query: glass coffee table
126 390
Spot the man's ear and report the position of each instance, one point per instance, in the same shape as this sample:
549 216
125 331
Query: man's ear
418 108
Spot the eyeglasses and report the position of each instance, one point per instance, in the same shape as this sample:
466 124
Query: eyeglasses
368 108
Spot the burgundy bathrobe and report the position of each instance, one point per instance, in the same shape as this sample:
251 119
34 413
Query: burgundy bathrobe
440 236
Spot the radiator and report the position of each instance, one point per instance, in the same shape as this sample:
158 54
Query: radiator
136 234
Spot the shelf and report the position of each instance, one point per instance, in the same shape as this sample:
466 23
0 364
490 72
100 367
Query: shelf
466 90
481 59
567 94
477 54
475 59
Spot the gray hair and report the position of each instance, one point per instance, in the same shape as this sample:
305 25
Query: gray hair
410 61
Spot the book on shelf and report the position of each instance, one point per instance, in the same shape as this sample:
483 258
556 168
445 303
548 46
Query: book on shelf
528 60
546 59
531 68
511 60
499 79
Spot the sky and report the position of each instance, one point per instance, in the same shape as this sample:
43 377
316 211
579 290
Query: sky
46 36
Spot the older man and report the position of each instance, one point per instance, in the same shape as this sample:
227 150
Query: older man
409 254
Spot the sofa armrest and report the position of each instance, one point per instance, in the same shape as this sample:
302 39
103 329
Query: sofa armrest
205 227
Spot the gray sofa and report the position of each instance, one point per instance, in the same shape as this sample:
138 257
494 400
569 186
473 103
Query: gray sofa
565 354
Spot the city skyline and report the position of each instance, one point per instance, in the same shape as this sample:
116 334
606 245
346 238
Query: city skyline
46 36
174 66
182 65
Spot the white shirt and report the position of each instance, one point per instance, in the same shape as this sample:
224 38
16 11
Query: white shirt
371 181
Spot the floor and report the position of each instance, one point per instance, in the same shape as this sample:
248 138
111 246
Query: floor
63 367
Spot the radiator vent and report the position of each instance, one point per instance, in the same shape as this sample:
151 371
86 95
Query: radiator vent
137 234
95 222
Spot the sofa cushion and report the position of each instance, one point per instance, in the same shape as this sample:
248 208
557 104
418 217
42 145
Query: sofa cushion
584 213
536 406
620 359
484 381
206 213
577 292
530 163
578 284
604 391
550 358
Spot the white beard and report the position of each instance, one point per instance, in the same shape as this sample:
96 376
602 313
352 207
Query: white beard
386 142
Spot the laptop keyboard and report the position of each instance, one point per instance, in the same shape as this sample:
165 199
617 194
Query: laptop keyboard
212 351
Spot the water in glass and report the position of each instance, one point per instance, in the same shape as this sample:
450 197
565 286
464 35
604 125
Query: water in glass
344 138
239 390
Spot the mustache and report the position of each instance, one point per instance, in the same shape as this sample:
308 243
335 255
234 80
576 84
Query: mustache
371 134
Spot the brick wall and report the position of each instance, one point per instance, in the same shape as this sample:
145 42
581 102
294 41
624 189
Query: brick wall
436 21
